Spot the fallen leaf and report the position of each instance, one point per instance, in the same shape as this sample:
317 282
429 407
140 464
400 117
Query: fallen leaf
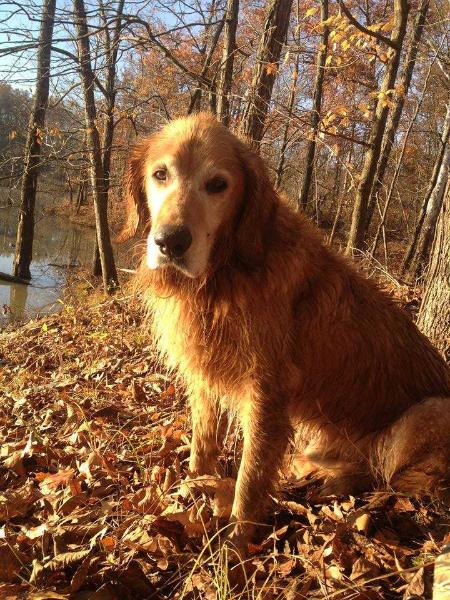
11 563
416 587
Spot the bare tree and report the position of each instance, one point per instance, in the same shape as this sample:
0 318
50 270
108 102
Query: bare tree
399 101
25 230
268 55
208 51
434 315
112 42
395 43
419 247
393 182
284 142
229 50
317 105
97 173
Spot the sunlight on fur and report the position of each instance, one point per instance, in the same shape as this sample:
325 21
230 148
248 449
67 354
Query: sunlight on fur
257 315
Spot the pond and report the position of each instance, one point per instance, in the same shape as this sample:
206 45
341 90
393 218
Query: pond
58 244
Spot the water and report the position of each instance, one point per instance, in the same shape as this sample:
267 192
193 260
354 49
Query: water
57 241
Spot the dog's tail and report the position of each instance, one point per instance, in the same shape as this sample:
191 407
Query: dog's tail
412 455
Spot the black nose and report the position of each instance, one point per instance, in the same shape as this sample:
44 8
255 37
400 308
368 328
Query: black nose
173 241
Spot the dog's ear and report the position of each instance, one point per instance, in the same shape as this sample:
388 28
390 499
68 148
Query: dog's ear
257 210
137 220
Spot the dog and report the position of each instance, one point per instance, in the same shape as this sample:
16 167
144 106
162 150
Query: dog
259 317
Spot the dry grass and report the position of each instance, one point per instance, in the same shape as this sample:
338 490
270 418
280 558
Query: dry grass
94 502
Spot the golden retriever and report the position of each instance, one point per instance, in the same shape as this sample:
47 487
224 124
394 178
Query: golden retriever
258 316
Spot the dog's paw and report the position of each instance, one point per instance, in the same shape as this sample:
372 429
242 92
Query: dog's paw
238 539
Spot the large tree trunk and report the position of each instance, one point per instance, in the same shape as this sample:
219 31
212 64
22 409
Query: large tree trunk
25 230
359 217
109 272
400 97
434 315
229 49
418 250
268 55
317 105
111 49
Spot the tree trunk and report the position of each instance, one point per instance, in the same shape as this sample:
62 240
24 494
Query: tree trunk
433 208
229 49
317 105
341 197
280 166
399 164
109 272
359 217
111 50
69 185
195 103
418 249
80 197
96 268
268 55
400 97
25 230
434 315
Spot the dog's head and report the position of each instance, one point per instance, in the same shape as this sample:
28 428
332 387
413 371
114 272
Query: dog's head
200 196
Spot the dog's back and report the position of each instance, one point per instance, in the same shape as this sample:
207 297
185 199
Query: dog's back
372 383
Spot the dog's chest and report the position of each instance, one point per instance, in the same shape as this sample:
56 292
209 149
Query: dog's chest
203 346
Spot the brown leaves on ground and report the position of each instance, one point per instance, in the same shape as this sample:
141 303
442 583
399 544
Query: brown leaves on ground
96 502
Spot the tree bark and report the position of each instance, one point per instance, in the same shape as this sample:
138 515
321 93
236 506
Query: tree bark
229 50
25 230
399 164
400 97
434 315
423 235
280 166
97 174
111 50
317 105
359 217
431 209
267 59
195 103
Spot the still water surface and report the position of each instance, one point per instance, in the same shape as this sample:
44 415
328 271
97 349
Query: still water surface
57 241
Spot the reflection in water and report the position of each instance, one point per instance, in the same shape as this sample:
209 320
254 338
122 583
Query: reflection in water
75 244
57 243
18 302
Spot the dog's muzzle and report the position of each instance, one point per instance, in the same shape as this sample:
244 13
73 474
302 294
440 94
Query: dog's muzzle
173 241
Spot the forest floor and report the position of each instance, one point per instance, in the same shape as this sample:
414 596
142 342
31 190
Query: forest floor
96 503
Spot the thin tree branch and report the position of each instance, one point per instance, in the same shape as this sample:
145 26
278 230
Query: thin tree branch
376 34
167 53
75 58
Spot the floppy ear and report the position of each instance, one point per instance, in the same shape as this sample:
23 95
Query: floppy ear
257 211
137 220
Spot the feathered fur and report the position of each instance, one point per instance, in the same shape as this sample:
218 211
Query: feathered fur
289 334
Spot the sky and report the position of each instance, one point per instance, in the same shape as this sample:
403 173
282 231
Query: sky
20 23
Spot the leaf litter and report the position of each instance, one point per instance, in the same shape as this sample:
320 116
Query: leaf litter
96 502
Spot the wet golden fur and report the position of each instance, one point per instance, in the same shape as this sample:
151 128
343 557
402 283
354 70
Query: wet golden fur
287 333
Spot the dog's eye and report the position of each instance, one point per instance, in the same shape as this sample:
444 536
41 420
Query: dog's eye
160 174
216 185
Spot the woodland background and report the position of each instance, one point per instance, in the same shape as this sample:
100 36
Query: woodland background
349 103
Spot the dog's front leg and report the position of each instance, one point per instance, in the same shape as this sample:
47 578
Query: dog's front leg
266 431
207 433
